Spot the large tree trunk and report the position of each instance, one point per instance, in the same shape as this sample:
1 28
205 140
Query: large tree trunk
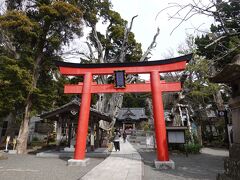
23 131
150 109
24 128
111 105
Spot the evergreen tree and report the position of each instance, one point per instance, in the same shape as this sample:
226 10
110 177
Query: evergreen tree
31 38
223 42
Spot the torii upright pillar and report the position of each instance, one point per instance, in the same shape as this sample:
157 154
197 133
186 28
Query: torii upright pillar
156 86
158 113
83 120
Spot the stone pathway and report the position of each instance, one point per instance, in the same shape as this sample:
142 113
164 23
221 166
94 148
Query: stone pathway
132 163
215 152
204 166
125 164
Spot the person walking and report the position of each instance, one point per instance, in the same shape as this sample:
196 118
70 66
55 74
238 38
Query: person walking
124 136
116 141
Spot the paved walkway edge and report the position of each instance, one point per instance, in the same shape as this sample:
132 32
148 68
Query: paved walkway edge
125 164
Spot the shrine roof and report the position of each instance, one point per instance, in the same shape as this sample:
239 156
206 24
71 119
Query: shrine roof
74 105
187 58
135 114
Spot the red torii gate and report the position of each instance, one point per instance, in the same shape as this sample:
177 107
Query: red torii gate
156 86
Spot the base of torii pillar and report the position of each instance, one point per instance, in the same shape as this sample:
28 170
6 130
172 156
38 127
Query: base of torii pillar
78 162
164 164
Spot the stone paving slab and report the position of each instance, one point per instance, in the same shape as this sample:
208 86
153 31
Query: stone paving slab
97 153
29 167
215 152
125 164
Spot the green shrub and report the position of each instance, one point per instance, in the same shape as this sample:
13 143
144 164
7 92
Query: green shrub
146 127
35 138
192 148
37 143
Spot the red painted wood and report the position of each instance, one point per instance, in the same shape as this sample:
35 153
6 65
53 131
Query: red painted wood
159 122
156 86
109 88
82 129
177 66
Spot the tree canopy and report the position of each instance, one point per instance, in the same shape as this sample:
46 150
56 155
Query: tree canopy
32 35
223 41
117 43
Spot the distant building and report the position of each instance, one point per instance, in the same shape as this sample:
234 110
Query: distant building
130 118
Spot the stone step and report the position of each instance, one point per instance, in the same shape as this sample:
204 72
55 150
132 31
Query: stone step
134 141
141 138
132 137
137 139
142 133
142 143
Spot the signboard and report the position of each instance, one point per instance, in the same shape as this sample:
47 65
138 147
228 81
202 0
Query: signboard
176 137
119 79
221 113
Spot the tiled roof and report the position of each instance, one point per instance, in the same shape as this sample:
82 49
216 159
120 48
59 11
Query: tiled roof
74 105
131 113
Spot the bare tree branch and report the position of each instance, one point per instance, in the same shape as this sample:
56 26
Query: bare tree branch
184 19
151 46
221 38
124 47
213 8
131 78
196 7
91 56
99 45
227 53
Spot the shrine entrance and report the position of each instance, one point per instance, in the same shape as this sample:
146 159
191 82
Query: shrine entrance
156 86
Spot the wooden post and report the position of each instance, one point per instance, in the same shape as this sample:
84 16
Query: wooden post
83 118
59 131
159 122
97 135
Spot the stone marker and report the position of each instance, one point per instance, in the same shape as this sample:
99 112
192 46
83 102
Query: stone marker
7 141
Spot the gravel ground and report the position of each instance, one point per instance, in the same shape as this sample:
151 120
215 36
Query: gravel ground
29 167
199 166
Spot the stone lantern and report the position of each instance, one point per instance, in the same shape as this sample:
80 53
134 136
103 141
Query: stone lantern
231 75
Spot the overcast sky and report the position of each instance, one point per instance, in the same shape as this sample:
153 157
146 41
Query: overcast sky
145 24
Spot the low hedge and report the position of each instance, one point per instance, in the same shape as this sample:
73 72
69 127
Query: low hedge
192 148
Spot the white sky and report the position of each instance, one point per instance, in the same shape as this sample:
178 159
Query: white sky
145 25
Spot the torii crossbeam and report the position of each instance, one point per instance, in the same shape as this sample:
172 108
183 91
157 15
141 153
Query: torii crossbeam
156 86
